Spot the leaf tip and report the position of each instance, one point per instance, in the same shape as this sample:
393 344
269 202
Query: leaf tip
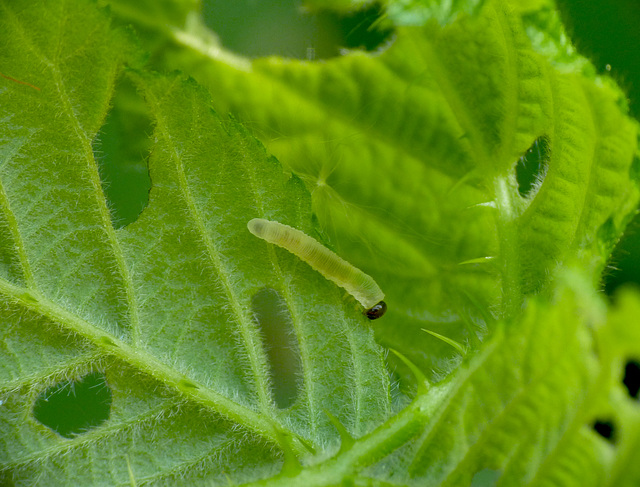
347 440
423 383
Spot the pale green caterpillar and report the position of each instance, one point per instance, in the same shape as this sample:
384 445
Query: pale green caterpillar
357 283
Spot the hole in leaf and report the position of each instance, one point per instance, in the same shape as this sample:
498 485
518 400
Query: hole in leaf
532 166
605 428
285 28
71 408
623 266
608 235
634 169
357 30
631 378
280 343
120 150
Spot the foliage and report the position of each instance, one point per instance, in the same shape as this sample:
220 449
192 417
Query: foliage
480 175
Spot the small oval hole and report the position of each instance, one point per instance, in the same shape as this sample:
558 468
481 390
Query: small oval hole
623 267
605 428
363 29
120 150
74 407
280 343
532 167
631 378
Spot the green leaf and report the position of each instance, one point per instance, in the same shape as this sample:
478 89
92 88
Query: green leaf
159 312
481 187
526 405
524 408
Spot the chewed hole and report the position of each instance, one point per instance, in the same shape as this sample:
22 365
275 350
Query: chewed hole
361 29
280 343
605 428
532 167
623 266
631 378
120 150
285 29
74 407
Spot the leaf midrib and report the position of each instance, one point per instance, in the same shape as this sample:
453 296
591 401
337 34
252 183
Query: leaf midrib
140 359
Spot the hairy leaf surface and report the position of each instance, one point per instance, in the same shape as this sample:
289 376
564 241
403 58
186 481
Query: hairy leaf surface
482 187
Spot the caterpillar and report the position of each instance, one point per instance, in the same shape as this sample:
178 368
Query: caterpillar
360 285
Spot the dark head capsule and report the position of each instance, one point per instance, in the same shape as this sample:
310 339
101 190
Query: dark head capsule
376 311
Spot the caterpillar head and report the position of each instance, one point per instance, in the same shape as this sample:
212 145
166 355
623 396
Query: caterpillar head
376 311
